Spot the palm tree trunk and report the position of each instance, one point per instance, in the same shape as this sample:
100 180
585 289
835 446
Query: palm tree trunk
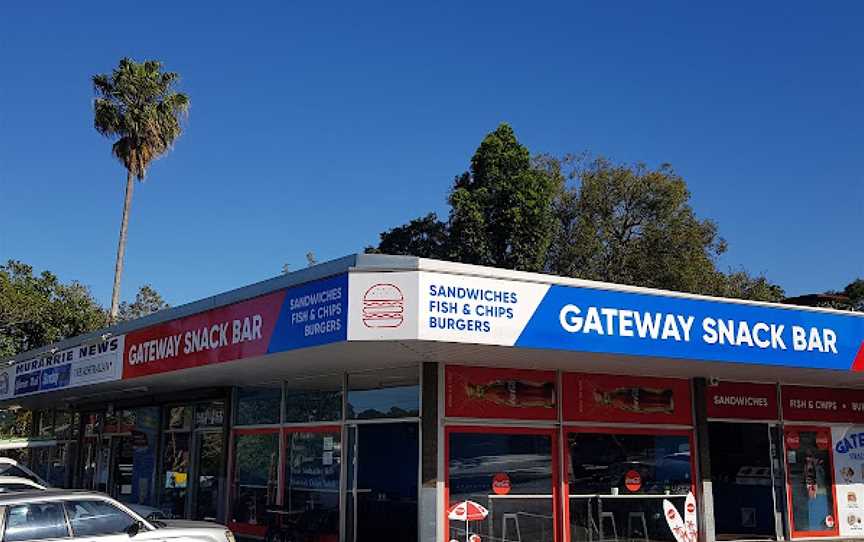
121 248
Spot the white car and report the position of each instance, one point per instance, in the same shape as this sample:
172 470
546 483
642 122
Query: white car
10 467
17 477
88 516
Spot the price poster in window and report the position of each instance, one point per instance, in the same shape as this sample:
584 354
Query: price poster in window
848 455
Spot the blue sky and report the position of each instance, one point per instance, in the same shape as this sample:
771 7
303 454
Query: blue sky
316 125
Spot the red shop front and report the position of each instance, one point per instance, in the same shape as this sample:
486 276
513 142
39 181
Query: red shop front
566 456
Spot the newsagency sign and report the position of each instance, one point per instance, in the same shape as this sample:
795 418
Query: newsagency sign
478 310
70 368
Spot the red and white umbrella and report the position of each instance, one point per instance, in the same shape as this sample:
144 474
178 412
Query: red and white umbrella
467 511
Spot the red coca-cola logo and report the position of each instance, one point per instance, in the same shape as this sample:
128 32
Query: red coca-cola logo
501 484
691 507
671 514
829 521
633 481
793 440
822 441
383 306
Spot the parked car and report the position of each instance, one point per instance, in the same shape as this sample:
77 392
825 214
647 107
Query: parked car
17 477
10 467
89 516
9 484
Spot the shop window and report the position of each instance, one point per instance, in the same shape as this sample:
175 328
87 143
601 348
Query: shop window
314 400
810 481
618 482
258 405
255 479
393 393
742 480
511 475
311 498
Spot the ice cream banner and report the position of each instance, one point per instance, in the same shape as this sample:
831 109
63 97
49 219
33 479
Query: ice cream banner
85 364
848 458
480 310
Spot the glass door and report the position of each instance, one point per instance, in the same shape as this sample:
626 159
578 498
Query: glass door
743 480
810 482
383 476
208 475
510 472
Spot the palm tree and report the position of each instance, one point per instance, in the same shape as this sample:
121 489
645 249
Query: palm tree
137 105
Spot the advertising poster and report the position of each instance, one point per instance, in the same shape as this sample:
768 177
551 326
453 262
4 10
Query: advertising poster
479 392
70 368
615 398
848 457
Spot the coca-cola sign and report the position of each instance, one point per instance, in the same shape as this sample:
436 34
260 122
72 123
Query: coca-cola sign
633 481
480 392
501 484
615 398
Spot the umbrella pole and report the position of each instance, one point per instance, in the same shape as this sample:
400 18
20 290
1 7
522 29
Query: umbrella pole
466 527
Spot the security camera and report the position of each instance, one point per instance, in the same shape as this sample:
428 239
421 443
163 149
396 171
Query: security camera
713 381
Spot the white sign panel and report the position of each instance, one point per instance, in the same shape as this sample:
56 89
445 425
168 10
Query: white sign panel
458 308
848 453
78 366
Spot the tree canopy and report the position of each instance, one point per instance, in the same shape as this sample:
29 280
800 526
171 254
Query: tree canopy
577 217
147 301
36 310
137 105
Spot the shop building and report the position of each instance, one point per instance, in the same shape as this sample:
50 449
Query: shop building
361 399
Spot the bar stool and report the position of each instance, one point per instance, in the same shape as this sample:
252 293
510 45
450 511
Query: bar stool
640 518
504 531
603 533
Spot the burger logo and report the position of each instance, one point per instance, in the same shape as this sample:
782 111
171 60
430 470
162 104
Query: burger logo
383 306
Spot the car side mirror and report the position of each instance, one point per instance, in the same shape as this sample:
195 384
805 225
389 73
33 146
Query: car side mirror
133 529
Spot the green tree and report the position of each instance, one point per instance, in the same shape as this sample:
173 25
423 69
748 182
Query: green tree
147 301
37 310
634 225
855 292
136 106
426 237
501 211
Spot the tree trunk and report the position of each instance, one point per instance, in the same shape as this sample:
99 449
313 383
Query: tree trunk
121 249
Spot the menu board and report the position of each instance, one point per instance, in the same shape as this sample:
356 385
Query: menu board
848 453
742 400
614 398
480 392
